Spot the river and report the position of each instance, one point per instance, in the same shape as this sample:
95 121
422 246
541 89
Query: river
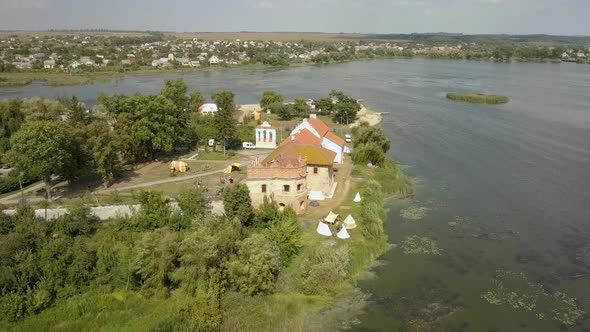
504 187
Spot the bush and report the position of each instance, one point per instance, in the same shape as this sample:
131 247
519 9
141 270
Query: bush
11 183
324 270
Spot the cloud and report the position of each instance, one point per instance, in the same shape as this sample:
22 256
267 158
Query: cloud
25 4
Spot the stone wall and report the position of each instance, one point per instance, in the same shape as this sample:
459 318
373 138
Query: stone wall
320 181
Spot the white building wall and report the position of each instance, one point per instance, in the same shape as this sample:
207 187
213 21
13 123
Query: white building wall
326 143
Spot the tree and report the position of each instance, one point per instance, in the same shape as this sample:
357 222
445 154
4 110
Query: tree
270 97
193 203
156 259
203 252
345 109
300 108
283 111
45 148
238 204
175 91
284 231
147 125
255 268
225 123
196 100
154 211
102 149
324 105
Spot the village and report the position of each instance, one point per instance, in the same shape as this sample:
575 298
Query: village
96 52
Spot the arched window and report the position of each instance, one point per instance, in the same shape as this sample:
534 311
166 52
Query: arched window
270 136
264 135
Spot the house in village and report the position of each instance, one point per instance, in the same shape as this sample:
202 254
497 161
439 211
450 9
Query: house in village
213 60
320 130
48 64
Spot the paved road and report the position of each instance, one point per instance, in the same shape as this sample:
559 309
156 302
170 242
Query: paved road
112 211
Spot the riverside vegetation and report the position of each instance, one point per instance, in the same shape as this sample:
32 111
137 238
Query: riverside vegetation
164 269
478 98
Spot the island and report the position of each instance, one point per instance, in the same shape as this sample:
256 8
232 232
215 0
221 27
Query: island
175 213
477 98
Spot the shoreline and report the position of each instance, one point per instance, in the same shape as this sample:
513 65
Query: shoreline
63 78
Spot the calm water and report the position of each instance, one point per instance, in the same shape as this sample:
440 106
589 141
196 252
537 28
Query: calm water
514 177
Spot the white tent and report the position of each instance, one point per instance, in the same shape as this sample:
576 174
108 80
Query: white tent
324 229
343 234
208 108
316 196
347 149
349 222
331 218
357 198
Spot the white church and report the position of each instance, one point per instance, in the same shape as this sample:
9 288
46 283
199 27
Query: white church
266 136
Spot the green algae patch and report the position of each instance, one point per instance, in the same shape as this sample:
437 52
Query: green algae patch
415 244
515 290
478 98
414 212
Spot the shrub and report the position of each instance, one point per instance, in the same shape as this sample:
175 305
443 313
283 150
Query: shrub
324 270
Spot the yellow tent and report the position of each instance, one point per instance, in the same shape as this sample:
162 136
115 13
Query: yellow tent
178 166
228 169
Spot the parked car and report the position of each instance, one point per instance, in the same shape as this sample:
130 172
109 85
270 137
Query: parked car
248 145
347 138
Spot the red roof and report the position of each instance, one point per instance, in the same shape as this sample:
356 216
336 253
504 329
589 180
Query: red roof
319 126
303 137
332 137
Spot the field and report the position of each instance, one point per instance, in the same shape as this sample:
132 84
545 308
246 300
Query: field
274 36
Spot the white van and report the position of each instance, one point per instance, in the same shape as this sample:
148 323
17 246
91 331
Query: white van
248 145
347 138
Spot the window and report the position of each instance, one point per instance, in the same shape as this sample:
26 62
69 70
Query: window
300 187
286 188
315 170
263 188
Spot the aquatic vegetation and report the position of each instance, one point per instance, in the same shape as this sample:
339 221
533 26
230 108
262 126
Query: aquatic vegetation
516 290
478 98
463 227
422 307
414 212
420 245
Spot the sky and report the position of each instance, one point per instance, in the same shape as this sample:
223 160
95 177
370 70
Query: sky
557 17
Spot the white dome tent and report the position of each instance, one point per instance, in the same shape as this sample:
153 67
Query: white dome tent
349 222
324 229
357 198
343 234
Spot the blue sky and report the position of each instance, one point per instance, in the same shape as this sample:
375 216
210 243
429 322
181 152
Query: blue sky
570 17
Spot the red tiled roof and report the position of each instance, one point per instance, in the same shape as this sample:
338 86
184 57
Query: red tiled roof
319 126
303 137
332 137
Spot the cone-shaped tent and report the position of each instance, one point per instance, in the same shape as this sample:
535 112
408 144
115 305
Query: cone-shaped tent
349 222
323 229
331 218
357 198
343 234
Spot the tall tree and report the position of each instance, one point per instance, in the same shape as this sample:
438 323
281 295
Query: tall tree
146 125
175 91
238 204
225 123
45 148
270 97
196 100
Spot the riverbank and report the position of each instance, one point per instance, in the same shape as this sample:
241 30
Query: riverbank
24 78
